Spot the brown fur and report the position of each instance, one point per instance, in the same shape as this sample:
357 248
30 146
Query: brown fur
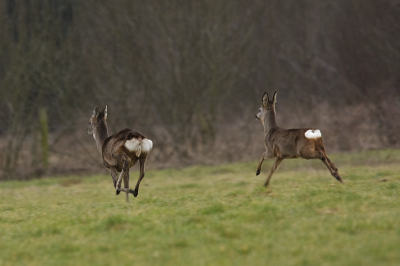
116 157
288 143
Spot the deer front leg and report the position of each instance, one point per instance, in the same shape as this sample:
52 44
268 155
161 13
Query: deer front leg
260 163
126 184
273 169
126 189
118 183
124 174
265 155
114 176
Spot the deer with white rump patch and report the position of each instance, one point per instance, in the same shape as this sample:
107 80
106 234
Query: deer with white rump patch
289 143
120 151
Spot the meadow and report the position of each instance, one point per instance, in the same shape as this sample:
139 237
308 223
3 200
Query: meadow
211 215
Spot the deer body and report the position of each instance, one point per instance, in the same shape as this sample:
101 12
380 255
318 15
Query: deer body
289 143
120 151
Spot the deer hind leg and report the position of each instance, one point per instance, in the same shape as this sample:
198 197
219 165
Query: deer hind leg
142 162
265 155
332 168
273 169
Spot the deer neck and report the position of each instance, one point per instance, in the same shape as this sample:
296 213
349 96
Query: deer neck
270 121
100 135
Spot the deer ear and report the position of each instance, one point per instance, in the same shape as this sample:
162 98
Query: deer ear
103 114
265 99
95 112
274 98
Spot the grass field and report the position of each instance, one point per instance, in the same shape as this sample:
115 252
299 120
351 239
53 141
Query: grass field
218 215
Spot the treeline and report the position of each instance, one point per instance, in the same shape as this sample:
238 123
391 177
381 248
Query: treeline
190 76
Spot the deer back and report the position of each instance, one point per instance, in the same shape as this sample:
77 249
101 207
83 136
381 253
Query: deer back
293 143
115 145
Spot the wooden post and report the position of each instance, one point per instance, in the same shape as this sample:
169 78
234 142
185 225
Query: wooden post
44 136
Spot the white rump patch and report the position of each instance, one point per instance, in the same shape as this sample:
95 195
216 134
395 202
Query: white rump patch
313 134
133 145
137 146
147 145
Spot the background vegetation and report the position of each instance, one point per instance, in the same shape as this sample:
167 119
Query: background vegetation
190 76
218 215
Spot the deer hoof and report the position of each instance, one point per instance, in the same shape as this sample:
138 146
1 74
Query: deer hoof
117 191
134 192
258 172
339 179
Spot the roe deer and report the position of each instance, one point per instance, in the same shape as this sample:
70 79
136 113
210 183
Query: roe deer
289 143
120 151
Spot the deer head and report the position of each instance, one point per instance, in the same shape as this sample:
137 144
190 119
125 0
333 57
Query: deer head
97 118
266 106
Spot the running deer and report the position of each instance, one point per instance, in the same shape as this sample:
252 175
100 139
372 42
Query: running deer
289 143
120 151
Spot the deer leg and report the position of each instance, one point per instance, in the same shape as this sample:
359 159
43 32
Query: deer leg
260 163
114 176
126 189
142 162
126 184
265 155
331 167
273 169
124 174
118 183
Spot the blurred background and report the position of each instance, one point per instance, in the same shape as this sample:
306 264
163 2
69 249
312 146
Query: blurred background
190 76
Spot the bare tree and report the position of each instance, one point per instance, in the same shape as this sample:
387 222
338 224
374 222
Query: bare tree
190 71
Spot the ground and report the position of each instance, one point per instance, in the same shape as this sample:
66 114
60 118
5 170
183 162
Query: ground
220 215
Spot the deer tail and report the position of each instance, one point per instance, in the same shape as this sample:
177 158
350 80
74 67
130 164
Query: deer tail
139 150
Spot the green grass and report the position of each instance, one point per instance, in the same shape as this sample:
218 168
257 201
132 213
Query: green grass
211 216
